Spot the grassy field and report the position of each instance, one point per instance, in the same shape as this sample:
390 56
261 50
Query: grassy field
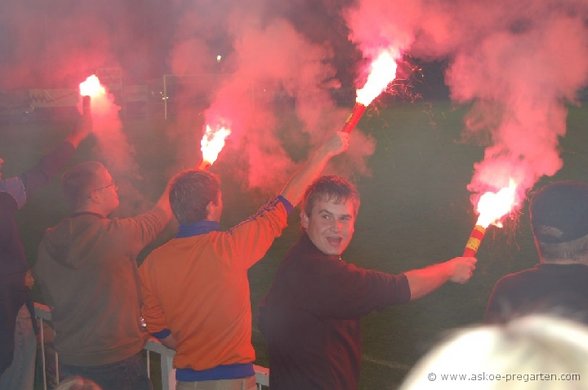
415 211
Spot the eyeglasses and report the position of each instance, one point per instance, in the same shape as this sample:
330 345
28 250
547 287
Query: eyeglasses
113 184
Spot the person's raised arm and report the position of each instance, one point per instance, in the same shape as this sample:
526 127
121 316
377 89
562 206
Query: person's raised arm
53 162
152 222
426 280
295 188
163 201
81 131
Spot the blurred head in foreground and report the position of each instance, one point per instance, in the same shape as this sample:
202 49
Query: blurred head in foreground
78 383
532 352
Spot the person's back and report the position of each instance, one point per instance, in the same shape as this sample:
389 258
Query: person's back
88 275
202 286
559 283
547 288
87 272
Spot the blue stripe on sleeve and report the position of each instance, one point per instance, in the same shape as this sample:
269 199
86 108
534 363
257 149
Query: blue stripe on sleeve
161 334
286 203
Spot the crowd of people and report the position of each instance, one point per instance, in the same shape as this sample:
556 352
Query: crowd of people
192 292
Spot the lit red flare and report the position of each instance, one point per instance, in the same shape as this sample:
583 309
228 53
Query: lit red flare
91 87
354 118
492 207
211 144
382 73
476 237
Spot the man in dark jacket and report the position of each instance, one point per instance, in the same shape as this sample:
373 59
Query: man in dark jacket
312 312
15 301
559 283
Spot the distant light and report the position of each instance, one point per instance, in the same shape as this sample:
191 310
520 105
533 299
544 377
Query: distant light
219 58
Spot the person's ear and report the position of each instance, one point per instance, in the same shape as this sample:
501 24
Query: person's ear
304 220
209 208
93 196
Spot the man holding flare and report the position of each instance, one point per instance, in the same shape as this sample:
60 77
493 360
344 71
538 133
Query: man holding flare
86 267
312 313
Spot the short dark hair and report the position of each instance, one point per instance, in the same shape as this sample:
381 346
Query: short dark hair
78 181
330 187
190 193
559 219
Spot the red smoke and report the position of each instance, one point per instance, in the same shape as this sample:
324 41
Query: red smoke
519 63
115 151
271 66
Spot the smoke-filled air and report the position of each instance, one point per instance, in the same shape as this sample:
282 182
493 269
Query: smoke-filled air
517 65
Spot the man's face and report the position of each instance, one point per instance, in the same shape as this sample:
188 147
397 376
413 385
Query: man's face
330 225
106 191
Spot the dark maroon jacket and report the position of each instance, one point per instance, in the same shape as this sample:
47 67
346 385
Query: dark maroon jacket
311 318
559 289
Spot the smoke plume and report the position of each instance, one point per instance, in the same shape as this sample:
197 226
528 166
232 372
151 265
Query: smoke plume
115 151
271 76
272 68
518 64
